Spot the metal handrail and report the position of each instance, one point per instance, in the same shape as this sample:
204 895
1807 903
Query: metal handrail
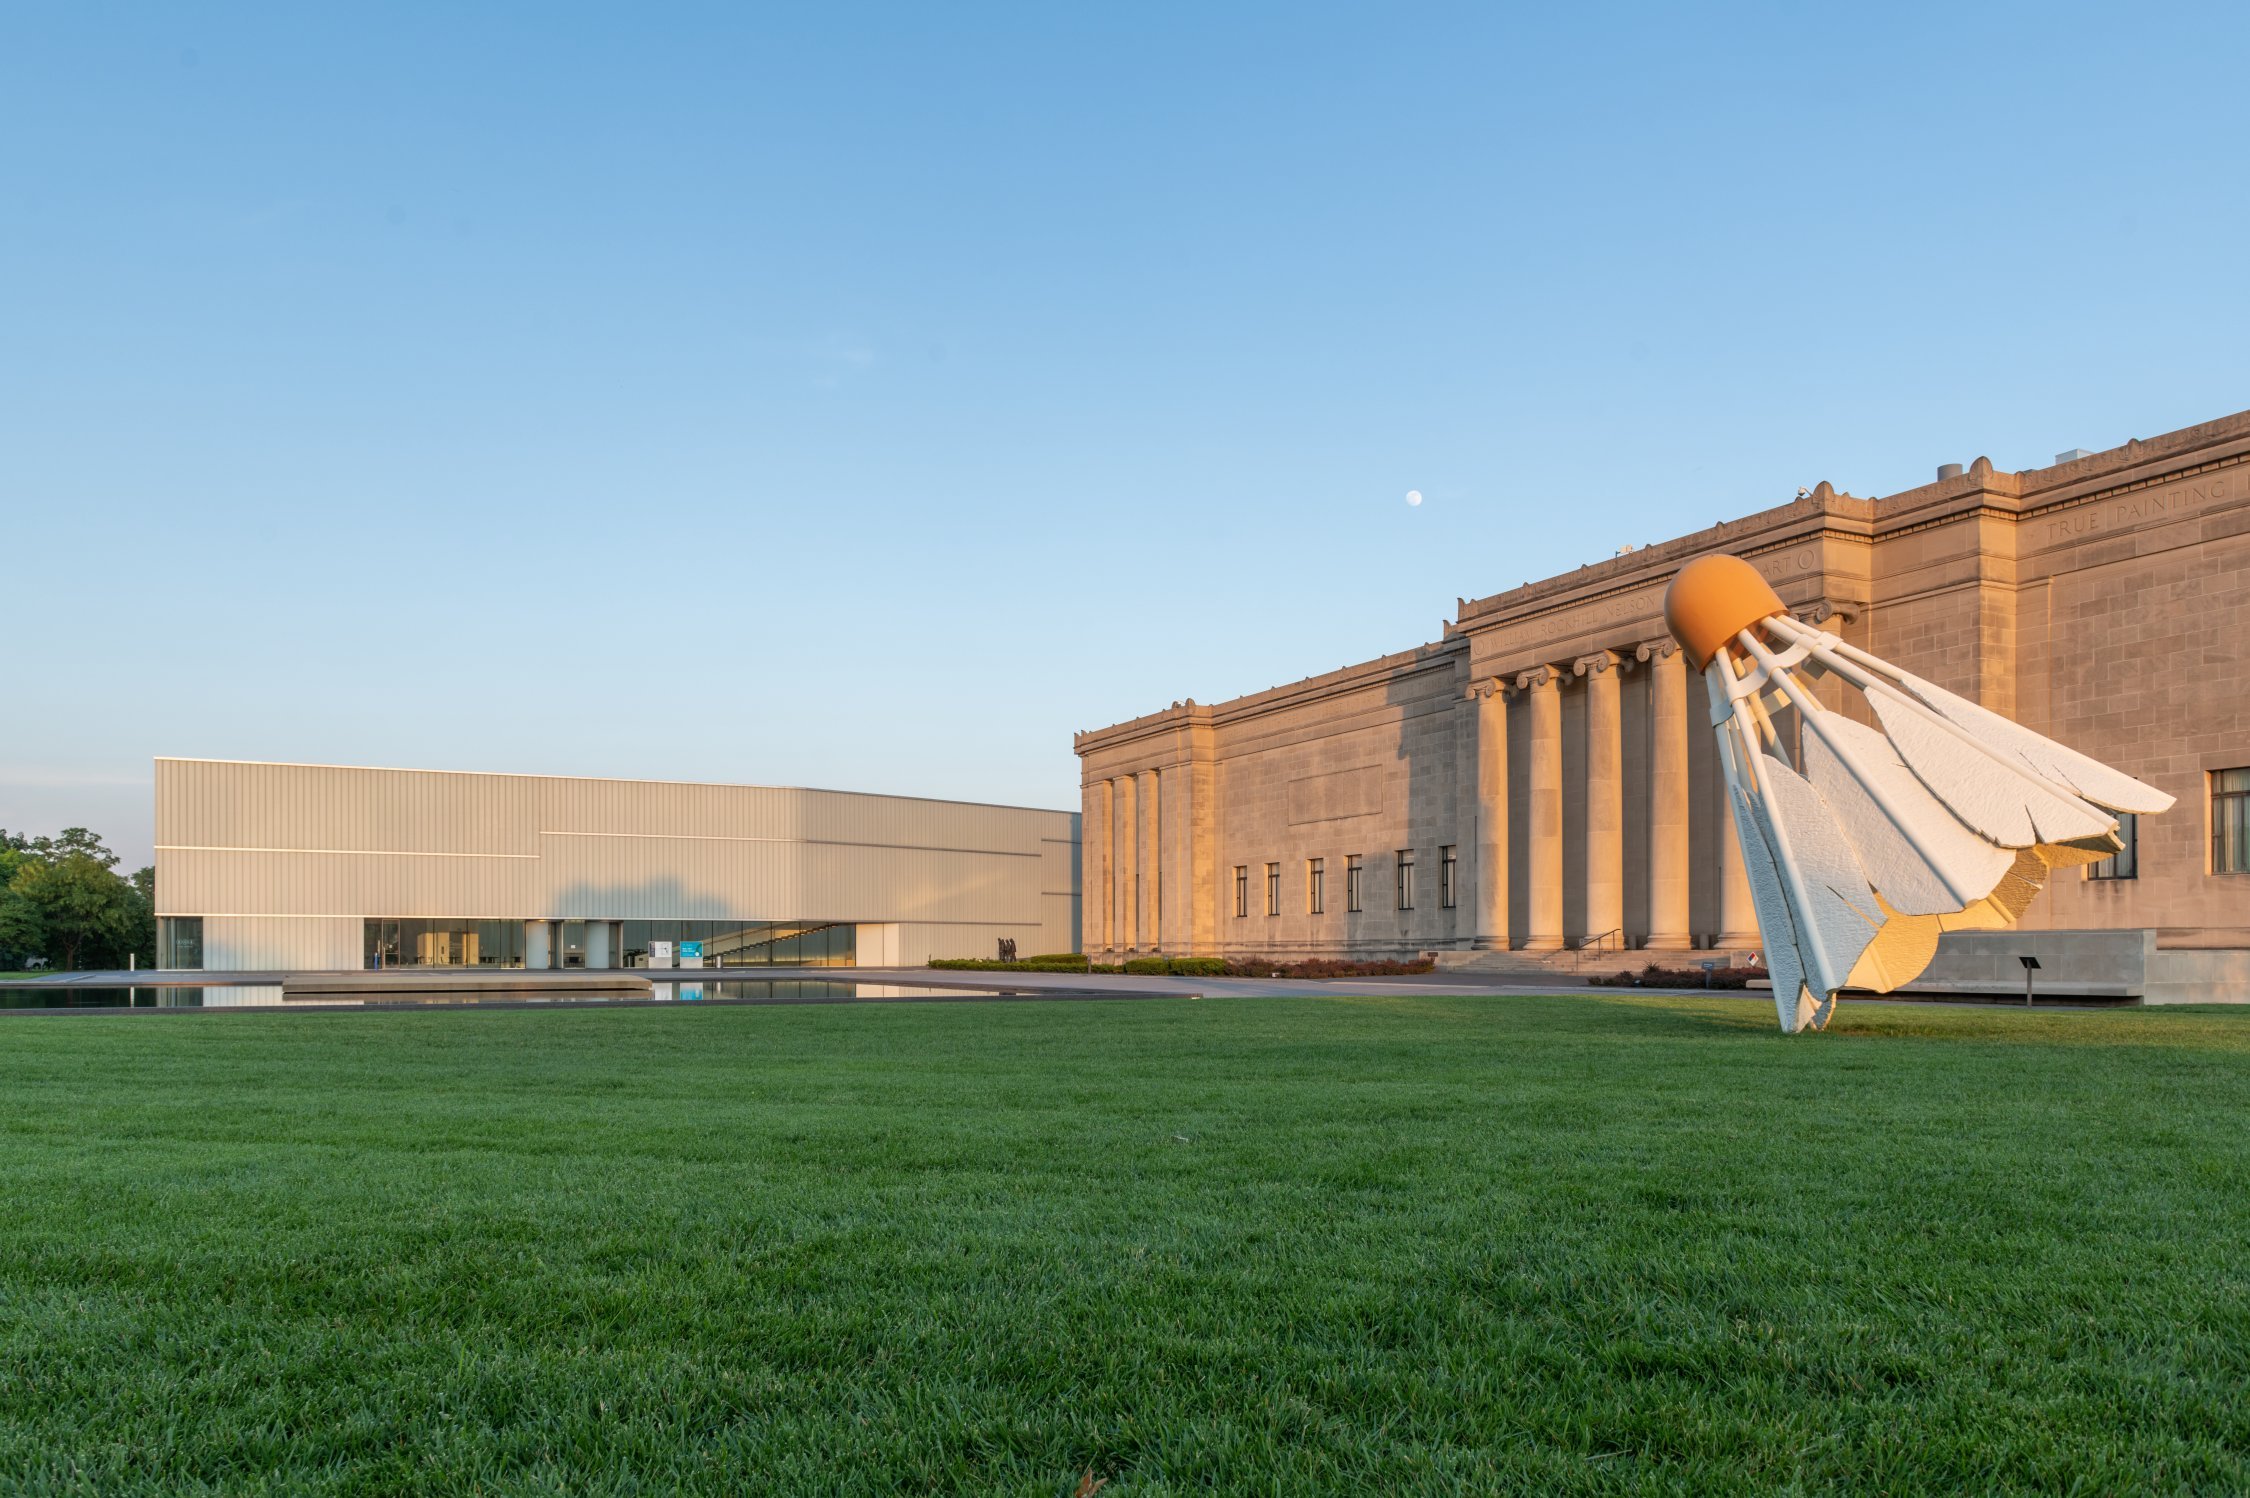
1596 944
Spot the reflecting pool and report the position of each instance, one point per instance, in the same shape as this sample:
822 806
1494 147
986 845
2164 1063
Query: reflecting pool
23 998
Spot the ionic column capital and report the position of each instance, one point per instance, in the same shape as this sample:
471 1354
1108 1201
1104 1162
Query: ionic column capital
1595 664
1490 686
1657 649
1822 610
1536 676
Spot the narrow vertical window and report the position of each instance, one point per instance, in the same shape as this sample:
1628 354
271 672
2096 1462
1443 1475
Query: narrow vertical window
179 941
1351 883
2125 863
1241 890
1316 881
1406 878
1447 865
1273 889
2230 821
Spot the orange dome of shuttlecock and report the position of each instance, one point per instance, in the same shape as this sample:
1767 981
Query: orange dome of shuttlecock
1713 599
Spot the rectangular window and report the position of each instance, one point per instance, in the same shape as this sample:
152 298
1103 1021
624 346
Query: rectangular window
2230 821
1241 890
1351 883
1406 878
179 941
1447 864
2126 862
1273 889
1316 886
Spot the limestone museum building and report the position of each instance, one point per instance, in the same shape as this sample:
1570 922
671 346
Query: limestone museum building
1542 778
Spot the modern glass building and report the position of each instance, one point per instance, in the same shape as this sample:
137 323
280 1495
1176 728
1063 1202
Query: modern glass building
412 942
274 867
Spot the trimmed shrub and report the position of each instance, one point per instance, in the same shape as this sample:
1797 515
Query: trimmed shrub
1653 976
1175 967
1049 962
1325 967
1205 967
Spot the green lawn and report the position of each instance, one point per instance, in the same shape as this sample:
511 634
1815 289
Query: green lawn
1605 1244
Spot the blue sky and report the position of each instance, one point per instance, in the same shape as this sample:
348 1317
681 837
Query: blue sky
870 396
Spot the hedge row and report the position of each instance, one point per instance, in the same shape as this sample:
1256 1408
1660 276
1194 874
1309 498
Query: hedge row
1186 967
1654 976
1179 967
1051 962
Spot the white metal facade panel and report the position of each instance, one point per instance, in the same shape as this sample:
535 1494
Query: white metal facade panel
260 944
1058 927
255 843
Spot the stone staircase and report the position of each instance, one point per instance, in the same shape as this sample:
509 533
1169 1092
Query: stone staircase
1569 967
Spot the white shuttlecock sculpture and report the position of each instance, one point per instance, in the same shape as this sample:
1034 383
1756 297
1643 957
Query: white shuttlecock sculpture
1873 843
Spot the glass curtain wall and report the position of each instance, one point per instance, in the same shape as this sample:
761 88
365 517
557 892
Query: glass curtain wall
748 944
438 942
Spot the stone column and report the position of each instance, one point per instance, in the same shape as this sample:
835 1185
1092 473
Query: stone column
1738 917
1093 868
1605 796
1164 905
1544 835
1198 788
1492 817
1128 934
1151 861
1668 874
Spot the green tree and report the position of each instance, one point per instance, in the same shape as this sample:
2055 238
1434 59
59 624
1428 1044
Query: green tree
71 840
21 936
82 908
62 898
143 943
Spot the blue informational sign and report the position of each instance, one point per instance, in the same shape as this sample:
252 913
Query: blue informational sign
691 949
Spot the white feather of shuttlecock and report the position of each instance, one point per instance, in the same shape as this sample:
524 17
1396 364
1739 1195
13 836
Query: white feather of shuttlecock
1873 844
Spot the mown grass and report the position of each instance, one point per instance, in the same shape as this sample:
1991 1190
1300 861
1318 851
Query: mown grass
1601 1244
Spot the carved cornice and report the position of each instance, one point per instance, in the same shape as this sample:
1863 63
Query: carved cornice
1595 664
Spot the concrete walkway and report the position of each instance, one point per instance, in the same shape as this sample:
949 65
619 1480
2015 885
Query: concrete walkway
1071 985
925 984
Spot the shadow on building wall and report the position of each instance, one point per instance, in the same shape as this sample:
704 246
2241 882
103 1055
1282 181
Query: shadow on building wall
1434 742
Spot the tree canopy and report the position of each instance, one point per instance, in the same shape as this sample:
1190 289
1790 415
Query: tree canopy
62 900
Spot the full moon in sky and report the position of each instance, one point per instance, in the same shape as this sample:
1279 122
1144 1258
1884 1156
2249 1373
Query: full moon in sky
1413 496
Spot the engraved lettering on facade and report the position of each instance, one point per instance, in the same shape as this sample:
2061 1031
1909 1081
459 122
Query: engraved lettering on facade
2150 508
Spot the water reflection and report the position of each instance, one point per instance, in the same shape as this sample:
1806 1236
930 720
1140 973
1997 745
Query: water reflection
201 996
24 997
